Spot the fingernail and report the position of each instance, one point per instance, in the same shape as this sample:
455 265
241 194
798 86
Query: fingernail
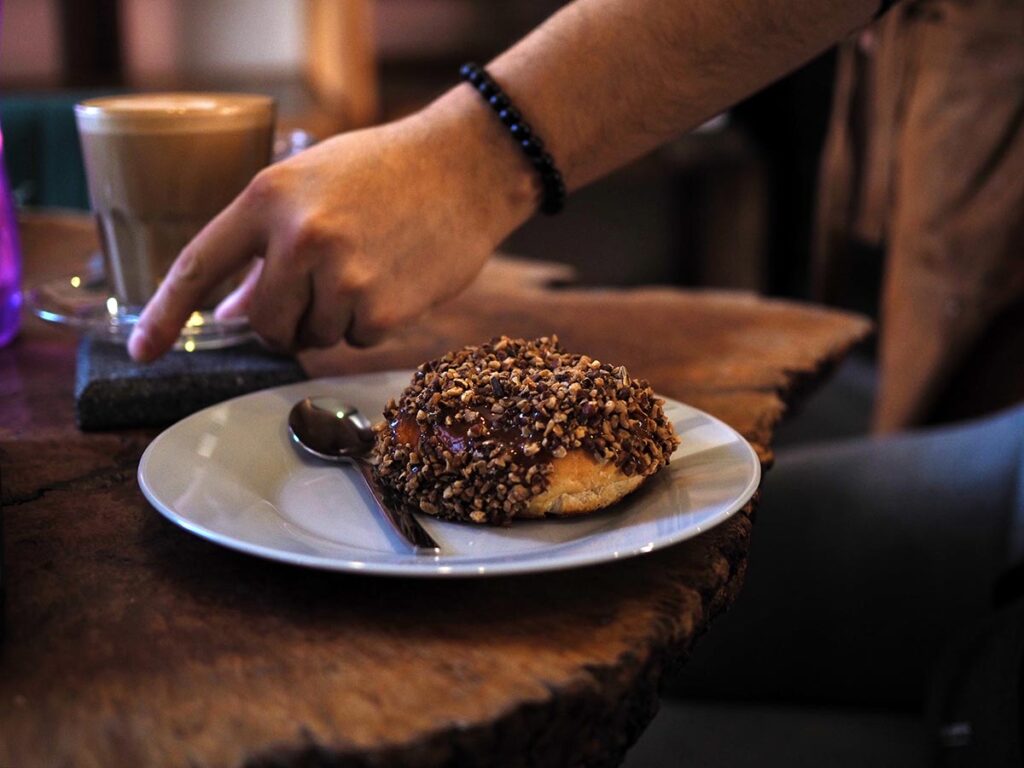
139 346
226 310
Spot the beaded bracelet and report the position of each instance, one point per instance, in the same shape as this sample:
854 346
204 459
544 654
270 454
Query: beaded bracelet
884 6
553 195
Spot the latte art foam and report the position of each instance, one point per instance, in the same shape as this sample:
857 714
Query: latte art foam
174 112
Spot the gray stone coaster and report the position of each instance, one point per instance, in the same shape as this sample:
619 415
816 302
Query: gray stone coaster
112 392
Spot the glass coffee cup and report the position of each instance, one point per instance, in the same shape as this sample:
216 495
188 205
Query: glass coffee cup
159 167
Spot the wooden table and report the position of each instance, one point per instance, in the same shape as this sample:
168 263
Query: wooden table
131 642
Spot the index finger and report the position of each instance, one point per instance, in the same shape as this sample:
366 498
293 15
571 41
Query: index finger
220 249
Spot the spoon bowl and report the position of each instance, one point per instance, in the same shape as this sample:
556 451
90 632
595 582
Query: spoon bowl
333 430
330 429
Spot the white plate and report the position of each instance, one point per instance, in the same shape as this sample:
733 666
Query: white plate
230 474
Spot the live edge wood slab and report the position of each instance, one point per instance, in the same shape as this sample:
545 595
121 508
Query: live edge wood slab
132 643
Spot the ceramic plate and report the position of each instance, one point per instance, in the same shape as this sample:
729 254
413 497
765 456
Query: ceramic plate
231 475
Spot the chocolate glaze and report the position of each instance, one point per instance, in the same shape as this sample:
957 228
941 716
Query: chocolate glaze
480 436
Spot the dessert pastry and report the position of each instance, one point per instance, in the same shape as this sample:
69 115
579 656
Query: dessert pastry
520 429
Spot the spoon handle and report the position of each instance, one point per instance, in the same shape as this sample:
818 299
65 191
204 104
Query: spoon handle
399 515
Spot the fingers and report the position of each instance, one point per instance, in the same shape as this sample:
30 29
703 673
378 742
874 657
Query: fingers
223 247
328 317
236 303
372 321
280 299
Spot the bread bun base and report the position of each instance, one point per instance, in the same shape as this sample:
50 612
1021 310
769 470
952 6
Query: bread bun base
579 484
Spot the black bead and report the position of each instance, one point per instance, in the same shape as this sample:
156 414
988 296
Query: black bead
531 147
551 207
521 130
486 89
499 101
543 163
509 115
466 71
554 193
552 204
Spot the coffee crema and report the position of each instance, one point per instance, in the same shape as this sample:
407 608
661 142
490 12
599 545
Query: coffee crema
159 167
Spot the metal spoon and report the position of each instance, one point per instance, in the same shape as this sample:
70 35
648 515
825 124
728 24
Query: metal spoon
335 431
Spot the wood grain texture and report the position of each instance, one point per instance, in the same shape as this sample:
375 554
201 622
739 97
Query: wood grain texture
130 642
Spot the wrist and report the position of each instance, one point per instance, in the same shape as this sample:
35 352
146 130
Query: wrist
496 180
522 133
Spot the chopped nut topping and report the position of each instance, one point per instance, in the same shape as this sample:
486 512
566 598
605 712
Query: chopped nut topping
492 418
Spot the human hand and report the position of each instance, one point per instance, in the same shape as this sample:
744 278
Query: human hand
356 236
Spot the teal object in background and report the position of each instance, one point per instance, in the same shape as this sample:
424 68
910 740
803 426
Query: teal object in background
43 157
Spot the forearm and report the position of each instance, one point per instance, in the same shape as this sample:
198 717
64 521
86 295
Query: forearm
605 81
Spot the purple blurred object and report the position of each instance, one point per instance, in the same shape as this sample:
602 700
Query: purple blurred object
10 260
10 253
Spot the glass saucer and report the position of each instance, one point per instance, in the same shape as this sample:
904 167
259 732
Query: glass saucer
84 304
